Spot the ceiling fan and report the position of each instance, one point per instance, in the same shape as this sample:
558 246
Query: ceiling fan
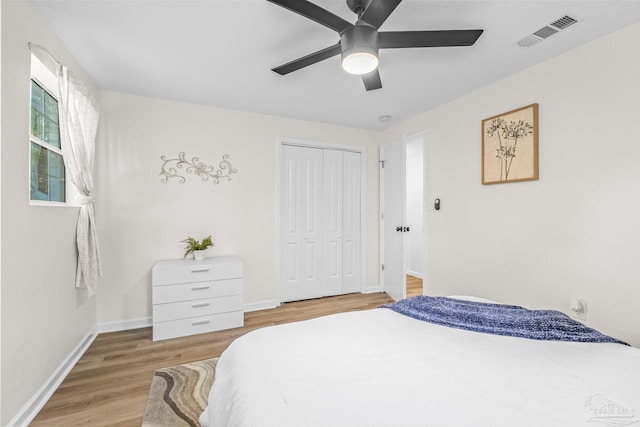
359 43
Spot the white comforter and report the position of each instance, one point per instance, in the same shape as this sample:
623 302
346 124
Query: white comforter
380 368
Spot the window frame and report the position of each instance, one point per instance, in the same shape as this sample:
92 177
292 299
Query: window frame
46 79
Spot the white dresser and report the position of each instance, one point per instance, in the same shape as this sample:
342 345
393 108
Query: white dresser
191 297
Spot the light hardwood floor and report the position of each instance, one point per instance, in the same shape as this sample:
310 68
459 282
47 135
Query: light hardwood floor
110 383
414 286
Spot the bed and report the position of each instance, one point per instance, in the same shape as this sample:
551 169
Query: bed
381 367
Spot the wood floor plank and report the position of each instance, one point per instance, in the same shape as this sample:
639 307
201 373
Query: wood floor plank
110 383
414 286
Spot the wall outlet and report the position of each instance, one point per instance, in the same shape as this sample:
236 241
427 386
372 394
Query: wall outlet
579 308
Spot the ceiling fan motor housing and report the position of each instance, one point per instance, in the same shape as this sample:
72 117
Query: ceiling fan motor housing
358 6
362 41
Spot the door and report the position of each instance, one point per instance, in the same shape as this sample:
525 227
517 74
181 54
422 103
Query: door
393 218
320 222
301 223
415 253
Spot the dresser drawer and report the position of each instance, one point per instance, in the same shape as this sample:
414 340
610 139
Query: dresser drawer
196 308
196 291
197 325
188 270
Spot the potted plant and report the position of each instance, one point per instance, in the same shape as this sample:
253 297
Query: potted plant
197 248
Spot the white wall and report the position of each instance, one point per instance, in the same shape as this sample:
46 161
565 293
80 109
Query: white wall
142 220
43 316
415 206
576 231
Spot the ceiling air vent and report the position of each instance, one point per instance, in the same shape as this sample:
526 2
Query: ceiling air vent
564 22
529 41
546 31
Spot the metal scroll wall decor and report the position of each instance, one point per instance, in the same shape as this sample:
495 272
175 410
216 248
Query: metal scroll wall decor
180 166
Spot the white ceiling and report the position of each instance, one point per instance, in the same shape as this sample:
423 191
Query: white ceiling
220 53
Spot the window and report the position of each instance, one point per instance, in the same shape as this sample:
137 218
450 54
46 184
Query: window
47 172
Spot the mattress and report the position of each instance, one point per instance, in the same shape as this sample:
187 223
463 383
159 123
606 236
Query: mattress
381 368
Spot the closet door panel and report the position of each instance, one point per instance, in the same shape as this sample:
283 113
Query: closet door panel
291 217
301 222
332 207
351 223
312 222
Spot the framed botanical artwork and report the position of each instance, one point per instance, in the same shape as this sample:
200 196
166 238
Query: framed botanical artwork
510 146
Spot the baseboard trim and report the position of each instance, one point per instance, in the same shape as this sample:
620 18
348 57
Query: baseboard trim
371 289
29 411
125 325
261 305
414 274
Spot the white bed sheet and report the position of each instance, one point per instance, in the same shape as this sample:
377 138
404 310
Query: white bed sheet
380 368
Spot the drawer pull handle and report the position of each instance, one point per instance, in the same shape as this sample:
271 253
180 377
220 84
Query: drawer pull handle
200 270
200 288
200 322
201 304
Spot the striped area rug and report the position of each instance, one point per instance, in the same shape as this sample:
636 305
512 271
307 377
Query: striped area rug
178 394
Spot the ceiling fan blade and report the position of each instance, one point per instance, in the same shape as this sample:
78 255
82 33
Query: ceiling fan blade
315 13
403 39
378 11
310 59
372 80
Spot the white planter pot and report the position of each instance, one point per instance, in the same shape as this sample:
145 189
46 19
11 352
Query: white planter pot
199 255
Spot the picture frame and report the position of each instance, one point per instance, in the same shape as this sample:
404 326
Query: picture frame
510 146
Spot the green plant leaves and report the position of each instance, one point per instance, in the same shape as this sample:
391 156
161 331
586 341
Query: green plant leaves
195 245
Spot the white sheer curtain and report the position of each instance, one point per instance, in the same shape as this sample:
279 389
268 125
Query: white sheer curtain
78 125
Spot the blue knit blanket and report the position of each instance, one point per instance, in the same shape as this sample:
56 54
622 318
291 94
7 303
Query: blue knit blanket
498 319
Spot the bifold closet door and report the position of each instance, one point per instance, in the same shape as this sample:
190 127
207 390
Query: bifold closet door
320 208
351 222
301 224
332 219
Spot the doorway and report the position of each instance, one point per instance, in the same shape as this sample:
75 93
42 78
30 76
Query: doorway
402 231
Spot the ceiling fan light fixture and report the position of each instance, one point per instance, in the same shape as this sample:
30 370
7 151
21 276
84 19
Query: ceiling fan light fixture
359 62
359 50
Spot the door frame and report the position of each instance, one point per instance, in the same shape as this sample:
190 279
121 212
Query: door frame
405 138
363 200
